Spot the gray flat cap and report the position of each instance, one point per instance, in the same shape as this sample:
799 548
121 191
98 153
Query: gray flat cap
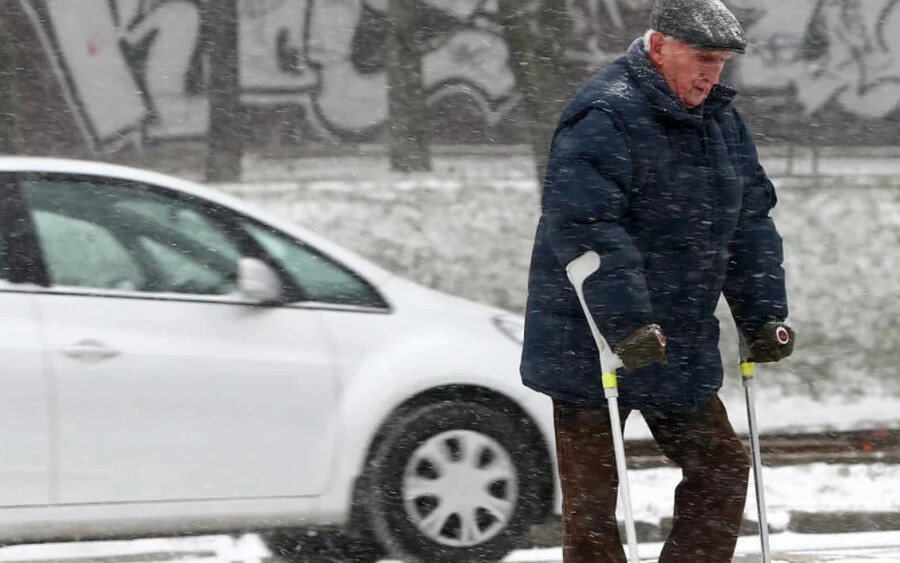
704 24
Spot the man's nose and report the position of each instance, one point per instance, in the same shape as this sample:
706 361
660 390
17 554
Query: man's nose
712 74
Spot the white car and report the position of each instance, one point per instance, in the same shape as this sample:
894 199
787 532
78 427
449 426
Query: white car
176 363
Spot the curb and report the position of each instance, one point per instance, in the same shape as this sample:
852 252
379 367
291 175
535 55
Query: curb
838 522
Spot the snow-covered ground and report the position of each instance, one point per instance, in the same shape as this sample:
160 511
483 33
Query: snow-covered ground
198 549
778 410
819 487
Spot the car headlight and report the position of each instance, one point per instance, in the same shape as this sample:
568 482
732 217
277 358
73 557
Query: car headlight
512 326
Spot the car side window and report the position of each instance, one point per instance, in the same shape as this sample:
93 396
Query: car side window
318 277
125 237
81 253
205 262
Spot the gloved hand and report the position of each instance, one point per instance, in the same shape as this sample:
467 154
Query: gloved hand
773 342
642 347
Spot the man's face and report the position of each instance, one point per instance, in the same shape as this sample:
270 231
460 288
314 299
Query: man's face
691 73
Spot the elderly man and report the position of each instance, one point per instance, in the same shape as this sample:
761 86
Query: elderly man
652 168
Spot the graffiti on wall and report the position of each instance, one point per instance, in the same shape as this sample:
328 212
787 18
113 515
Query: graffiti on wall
130 68
135 70
841 51
603 29
332 57
814 52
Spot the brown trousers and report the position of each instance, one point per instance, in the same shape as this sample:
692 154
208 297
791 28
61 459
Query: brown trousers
709 501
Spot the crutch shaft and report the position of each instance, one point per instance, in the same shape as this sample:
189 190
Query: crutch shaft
621 467
748 374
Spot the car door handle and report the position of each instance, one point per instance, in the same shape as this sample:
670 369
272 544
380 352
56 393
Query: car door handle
90 351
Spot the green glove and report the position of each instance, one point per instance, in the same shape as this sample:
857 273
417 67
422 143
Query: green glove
645 346
773 342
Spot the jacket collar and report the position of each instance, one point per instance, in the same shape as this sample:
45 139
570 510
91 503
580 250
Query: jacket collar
661 98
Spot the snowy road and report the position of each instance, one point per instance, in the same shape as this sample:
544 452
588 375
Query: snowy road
880 547
816 488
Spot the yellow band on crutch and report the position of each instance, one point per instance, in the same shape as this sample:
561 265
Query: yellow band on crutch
748 369
609 380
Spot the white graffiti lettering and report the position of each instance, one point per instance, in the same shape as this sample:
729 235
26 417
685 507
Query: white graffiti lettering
842 51
135 68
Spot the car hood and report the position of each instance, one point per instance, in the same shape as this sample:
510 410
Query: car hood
404 294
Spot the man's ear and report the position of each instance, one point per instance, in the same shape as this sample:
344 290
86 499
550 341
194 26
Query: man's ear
656 45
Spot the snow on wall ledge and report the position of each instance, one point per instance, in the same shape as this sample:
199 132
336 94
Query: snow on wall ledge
467 229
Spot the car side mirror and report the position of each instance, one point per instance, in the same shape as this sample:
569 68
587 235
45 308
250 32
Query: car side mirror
258 282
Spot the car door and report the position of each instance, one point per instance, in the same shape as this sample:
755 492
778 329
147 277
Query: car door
24 419
170 385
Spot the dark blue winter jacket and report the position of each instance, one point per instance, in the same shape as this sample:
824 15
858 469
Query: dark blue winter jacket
677 205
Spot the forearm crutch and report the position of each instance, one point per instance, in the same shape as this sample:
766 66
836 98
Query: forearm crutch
578 271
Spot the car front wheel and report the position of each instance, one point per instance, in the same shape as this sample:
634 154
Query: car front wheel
455 481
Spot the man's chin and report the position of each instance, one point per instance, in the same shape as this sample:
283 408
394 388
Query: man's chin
692 101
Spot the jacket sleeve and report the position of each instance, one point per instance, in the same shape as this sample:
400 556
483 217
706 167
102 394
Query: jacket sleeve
585 198
754 284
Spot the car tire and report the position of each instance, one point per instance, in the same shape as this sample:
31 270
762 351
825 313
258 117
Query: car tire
298 546
420 510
